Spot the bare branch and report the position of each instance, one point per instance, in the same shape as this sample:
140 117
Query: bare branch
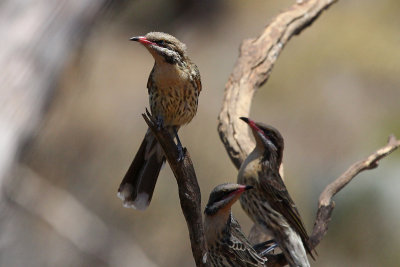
253 67
189 191
326 204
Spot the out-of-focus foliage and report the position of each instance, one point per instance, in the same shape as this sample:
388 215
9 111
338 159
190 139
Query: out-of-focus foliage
334 94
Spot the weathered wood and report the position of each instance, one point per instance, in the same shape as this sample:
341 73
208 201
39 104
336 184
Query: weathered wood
326 204
253 68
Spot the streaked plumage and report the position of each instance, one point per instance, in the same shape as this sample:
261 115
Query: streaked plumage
269 204
227 245
173 86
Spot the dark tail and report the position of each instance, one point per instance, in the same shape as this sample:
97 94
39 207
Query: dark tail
137 187
311 252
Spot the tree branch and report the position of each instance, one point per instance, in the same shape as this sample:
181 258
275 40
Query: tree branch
256 59
189 191
326 204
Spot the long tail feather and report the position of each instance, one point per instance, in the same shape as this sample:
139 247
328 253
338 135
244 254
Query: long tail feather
137 187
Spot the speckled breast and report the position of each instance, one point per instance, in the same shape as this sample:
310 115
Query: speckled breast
176 105
173 95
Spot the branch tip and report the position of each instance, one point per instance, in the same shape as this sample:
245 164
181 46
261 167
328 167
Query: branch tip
392 141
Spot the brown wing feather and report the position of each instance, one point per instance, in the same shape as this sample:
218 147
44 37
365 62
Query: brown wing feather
279 199
241 248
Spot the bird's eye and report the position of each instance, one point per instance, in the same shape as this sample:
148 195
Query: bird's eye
161 43
220 196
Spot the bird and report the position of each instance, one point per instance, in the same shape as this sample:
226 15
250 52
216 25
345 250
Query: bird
173 87
226 243
269 204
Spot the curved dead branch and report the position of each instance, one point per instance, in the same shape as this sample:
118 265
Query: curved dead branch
256 59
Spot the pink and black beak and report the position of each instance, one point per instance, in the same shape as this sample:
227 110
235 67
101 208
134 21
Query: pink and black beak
141 39
250 122
259 132
239 190
252 125
243 188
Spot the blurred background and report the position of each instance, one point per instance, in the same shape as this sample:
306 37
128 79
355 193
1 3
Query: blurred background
334 94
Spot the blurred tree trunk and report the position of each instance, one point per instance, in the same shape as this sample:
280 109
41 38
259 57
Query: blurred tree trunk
37 39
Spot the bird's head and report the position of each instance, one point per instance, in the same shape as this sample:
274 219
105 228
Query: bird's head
267 138
163 47
223 196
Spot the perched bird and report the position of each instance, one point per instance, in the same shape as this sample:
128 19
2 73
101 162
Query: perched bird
269 205
173 86
227 245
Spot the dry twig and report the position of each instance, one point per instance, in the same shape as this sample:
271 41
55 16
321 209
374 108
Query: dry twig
189 191
326 204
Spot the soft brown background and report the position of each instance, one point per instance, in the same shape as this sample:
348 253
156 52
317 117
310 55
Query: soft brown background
334 95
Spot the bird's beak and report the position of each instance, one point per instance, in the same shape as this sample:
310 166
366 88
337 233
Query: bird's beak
251 123
243 188
136 38
259 132
141 39
246 120
248 187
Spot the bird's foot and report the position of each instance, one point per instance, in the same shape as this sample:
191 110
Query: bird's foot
269 249
265 247
181 153
181 150
159 123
